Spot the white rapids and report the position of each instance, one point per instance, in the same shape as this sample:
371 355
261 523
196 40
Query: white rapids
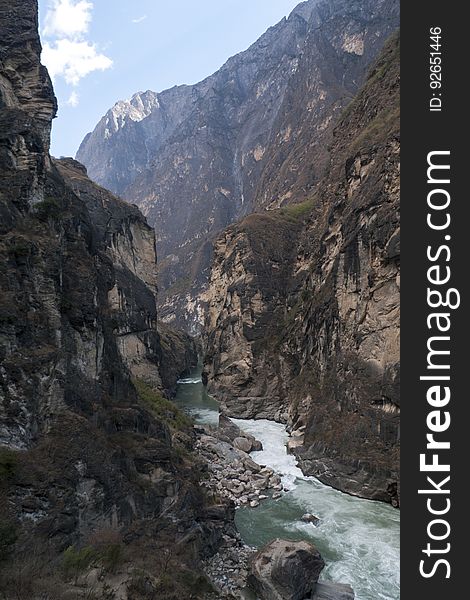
189 381
359 539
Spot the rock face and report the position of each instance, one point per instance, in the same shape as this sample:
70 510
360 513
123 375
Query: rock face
178 352
78 304
116 150
198 158
27 107
284 570
303 304
128 243
89 447
247 295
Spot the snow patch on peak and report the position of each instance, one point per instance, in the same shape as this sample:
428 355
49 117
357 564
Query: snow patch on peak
136 109
144 102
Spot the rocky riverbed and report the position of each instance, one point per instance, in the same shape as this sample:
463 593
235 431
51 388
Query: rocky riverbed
232 473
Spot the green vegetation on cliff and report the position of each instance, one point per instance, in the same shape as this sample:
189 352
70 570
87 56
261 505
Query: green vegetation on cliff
162 408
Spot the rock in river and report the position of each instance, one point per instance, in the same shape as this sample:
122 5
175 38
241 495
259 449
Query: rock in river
243 443
285 570
309 518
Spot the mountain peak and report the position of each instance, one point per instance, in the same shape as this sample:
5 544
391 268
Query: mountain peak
305 9
135 109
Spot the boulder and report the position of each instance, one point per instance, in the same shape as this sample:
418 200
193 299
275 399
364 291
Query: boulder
309 518
243 444
228 427
260 484
284 570
228 431
251 465
294 444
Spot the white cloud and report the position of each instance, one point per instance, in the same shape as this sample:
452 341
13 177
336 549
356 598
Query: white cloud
67 52
74 100
73 60
139 19
67 18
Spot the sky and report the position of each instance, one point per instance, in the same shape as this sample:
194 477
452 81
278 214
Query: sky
102 51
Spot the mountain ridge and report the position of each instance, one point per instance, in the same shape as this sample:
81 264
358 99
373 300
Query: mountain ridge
209 167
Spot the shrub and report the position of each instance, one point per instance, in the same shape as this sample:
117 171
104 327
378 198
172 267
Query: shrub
140 585
200 584
49 208
7 319
174 585
111 557
33 574
76 561
297 211
378 129
107 593
66 305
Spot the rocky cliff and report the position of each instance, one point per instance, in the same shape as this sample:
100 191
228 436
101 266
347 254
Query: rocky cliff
303 317
198 158
97 474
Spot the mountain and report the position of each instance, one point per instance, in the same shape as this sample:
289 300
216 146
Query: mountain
303 314
96 464
197 158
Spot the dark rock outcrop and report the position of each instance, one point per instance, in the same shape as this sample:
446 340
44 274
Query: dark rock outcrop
253 135
178 354
89 447
303 304
284 570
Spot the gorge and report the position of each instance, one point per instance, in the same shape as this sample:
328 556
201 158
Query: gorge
297 300
270 194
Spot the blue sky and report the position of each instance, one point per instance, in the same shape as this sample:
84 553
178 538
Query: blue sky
101 51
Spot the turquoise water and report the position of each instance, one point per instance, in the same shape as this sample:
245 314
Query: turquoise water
358 539
193 398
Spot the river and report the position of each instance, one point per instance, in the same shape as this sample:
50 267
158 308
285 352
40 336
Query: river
358 539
